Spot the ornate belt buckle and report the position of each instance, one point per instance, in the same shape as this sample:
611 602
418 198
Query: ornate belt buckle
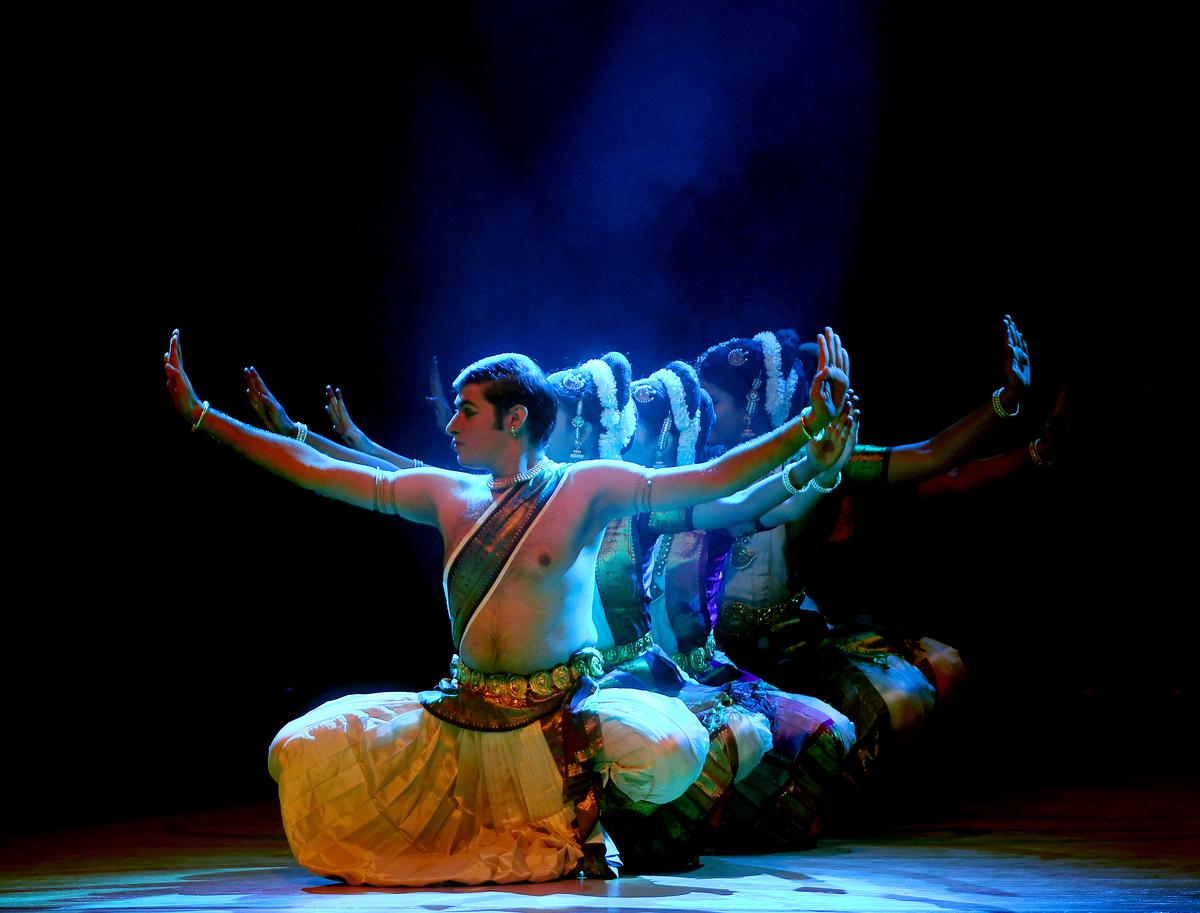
518 686
595 665
561 677
497 684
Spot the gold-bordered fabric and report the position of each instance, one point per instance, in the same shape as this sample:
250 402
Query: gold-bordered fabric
479 562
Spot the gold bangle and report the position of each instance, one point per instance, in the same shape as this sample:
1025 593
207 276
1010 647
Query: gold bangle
805 413
203 412
1038 459
999 409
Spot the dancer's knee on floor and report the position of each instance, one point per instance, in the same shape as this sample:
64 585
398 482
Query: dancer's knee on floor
654 747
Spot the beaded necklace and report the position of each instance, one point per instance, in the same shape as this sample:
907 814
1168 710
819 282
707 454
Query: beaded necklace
517 478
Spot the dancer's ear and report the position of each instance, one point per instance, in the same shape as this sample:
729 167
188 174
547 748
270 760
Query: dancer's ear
514 420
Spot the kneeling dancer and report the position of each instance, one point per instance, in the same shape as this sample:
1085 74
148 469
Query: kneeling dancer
492 776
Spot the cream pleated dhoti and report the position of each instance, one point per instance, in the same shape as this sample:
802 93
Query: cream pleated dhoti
374 789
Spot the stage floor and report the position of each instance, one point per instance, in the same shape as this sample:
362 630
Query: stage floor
1118 845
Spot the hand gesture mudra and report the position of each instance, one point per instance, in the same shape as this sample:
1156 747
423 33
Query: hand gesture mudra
266 406
339 417
178 385
832 380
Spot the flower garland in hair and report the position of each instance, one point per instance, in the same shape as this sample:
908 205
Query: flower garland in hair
610 416
629 419
789 392
689 426
773 362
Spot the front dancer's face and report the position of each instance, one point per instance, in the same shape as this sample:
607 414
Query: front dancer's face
474 436
562 438
727 420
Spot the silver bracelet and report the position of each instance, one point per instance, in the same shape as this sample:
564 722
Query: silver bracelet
818 487
301 432
787 480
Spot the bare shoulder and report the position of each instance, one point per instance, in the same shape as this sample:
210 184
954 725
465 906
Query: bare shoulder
613 489
430 495
600 476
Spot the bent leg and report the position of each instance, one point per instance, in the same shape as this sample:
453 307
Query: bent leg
654 747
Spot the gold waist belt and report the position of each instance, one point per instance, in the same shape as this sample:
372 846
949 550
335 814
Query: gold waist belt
697 659
740 619
515 690
614 656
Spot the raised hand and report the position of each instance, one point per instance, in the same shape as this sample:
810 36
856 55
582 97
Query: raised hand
442 412
178 385
831 381
1016 361
835 447
339 417
266 406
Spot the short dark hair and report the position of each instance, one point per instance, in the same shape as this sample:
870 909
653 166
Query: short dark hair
514 380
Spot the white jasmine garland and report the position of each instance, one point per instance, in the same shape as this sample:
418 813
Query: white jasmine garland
773 362
628 422
610 416
688 426
789 392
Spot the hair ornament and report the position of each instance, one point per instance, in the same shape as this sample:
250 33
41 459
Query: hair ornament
643 393
688 425
776 385
737 357
611 419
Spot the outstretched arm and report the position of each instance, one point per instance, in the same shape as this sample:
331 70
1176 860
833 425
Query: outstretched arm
622 490
823 459
798 506
973 474
274 418
442 413
413 495
913 462
339 416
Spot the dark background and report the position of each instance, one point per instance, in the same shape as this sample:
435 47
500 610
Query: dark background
336 203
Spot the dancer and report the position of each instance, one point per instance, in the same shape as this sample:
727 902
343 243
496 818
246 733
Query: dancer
743 719
780 802
483 779
767 621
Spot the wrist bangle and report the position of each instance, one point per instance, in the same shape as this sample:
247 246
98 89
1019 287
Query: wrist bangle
804 414
787 480
203 412
301 432
999 409
1038 459
817 486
